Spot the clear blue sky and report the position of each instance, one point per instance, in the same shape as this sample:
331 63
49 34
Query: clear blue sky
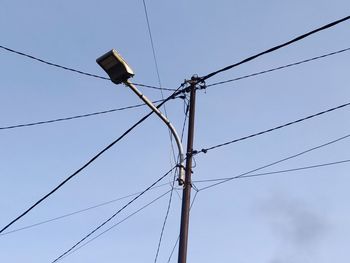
301 217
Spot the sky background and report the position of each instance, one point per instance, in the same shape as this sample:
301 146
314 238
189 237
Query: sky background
294 217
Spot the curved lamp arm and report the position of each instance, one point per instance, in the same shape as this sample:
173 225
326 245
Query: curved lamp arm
181 178
119 72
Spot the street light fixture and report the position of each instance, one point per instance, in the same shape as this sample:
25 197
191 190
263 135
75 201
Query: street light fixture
115 66
120 72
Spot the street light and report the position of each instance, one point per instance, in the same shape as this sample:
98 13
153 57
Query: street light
120 72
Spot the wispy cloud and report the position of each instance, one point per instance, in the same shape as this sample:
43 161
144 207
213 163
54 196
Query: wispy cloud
297 227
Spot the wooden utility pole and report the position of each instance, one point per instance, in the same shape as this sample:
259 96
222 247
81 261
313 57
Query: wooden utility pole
186 196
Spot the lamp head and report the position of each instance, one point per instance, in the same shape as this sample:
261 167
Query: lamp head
115 66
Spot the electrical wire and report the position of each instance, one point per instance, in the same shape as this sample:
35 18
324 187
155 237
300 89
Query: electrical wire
72 69
172 187
174 247
186 110
164 222
158 75
208 85
296 39
152 45
114 215
76 212
205 150
153 87
276 172
76 116
277 162
170 197
88 163
278 68
73 117
170 134
116 224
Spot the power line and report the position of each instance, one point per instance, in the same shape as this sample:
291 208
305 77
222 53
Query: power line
277 162
204 150
152 44
70 118
158 75
153 87
116 224
275 48
170 197
166 114
87 164
165 220
276 172
186 110
52 64
279 68
72 69
76 212
114 215
139 105
76 116
174 247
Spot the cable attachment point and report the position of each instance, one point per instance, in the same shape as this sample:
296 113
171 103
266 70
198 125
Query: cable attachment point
189 154
194 187
181 178
202 85
180 181
180 166
192 82
198 82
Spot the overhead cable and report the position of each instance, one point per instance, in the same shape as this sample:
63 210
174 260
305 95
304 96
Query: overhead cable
70 118
76 212
75 117
88 163
278 68
196 181
140 105
277 162
275 48
274 172
113 216
204 150
116 224
165 220
72 69
152 45
178 237
170 197
158 75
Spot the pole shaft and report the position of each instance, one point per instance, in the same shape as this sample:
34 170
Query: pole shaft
186 196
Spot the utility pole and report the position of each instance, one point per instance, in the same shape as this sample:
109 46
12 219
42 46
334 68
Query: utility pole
186 196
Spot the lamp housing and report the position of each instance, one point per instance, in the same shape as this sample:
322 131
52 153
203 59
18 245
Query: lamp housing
115 66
